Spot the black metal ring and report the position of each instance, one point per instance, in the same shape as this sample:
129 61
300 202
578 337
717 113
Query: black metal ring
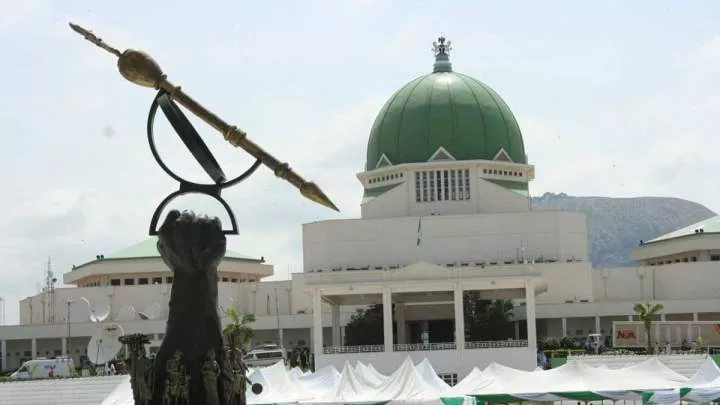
188 135
166 169
156 215
201 153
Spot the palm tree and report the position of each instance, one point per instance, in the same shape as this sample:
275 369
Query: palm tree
646 311
238 332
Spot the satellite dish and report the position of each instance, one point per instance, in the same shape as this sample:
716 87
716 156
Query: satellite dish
104 344
127 313
100 311
79 310
153 311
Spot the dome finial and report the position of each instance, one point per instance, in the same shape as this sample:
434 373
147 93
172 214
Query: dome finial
441 49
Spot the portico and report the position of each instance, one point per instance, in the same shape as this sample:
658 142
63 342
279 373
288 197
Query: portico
424 292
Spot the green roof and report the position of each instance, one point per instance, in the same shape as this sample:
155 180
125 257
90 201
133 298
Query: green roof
371 193
516 186
710 225
147 249
444 109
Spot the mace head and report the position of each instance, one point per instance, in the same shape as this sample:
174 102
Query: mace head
140 68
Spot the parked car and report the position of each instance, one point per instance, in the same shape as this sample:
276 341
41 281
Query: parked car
44 368
265 355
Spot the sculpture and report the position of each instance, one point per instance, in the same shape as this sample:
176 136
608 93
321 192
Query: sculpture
210 372
191 366
139 366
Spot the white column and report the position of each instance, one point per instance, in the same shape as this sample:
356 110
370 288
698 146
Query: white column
564 327
317 330
597 324
517 330
530 308
662 317
400 321
387 320
336 325
695 316
459 319
63 346
629 318
33 345
4 352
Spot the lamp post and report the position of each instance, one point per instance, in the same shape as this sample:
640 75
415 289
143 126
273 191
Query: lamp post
69 352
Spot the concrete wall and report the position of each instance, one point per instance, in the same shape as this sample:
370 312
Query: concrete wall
677 281
445 239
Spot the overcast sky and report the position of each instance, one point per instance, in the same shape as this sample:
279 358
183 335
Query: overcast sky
614 98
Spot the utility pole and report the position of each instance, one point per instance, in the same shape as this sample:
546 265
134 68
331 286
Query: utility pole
69 352
277 314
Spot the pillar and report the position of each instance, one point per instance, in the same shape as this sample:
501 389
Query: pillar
317 330
3 354
63 346
695 316
662 318
387 320
400 321
33 350
459 318
564 327
629 318
597 324
517 330
530 308
336 326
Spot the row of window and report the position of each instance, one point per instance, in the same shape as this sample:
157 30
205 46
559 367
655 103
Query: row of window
442 185
680 260
503 172
159 280
391 176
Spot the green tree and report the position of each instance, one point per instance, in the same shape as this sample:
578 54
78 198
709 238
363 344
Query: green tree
238 332
646 312
365 327
487 319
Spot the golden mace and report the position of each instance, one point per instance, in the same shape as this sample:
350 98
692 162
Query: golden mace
141 69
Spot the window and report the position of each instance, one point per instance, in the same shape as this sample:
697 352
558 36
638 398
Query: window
115 281
442 185
143 281
168 280
129 281
449 378
157 280
233 280
715 258
225 279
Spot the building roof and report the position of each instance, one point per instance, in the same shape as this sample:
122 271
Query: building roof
147 249
443 109
710 225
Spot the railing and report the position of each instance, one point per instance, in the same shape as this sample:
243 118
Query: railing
497 344
419 347
353 349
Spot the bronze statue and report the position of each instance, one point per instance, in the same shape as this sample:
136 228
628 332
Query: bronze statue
210 372
140 367
177 390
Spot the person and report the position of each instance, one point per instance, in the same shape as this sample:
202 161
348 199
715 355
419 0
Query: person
51 374
668 347
112 368
685 346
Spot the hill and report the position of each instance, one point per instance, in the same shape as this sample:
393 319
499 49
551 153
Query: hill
617 225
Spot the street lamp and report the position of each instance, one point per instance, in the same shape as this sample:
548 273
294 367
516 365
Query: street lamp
69 352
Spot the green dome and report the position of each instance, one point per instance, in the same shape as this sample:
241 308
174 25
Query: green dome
448 109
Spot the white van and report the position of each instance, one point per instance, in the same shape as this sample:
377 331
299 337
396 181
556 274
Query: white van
44 368
265 355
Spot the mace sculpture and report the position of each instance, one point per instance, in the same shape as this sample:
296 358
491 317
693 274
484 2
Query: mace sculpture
193 366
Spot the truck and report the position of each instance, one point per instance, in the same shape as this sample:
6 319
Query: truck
58 367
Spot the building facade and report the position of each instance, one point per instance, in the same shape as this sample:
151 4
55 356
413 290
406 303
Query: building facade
446 209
